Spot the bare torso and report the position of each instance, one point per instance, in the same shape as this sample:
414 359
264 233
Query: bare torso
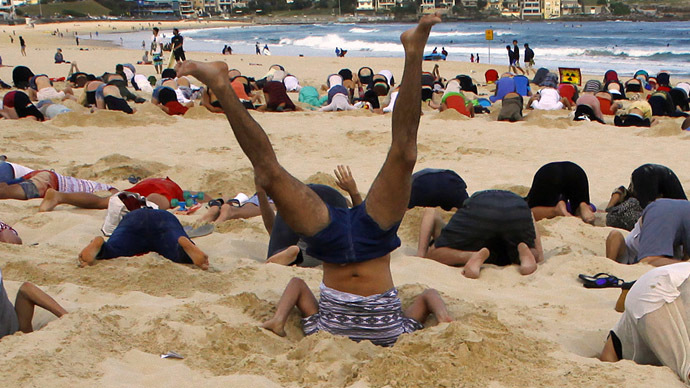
365 278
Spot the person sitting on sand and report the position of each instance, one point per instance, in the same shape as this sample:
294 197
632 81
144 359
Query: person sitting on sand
145 59
42 89
142 231
157 190
9 235
59 58
548 97
36 183
276 97
560 189
354 244
18 317
653 329
285 246
17 105
588 108
637 114
493 227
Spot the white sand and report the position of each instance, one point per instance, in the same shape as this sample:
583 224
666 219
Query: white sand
541 330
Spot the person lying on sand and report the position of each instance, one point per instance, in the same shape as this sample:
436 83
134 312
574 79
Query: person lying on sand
276 97
8 234
432 187
41 88
653 329
157 190
493 227
36 183
637 114
17 105
354 244
18 317
560 189
285 246
142 231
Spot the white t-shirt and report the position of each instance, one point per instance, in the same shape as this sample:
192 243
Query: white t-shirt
156 44
549 100
19 170
656 287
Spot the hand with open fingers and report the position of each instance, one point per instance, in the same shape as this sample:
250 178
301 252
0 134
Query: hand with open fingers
344 179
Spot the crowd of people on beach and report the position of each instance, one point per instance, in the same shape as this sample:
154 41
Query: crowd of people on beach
351 239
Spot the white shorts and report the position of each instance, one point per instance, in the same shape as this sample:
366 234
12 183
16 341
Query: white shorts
49 93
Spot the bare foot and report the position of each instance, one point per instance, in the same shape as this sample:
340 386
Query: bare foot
212 74
414 39
50 200
285 257
275 326
586 213
199 258
88 254
474 264
562 209
528 264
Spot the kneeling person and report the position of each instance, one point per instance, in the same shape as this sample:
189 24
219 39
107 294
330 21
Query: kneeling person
493 226
142 231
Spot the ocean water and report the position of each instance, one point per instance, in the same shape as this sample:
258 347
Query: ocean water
592 46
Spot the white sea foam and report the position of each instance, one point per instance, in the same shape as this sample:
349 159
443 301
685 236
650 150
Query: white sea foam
358 30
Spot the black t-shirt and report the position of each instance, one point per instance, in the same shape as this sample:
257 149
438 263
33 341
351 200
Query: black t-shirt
516 52
177 40
529 54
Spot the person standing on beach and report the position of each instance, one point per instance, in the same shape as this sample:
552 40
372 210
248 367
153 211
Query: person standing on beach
22 45
358 297
529 60
76 38
258 50
516 58
177 49
472 58
477 58
157 50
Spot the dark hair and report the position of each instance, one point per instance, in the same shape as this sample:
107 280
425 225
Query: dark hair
508 47
526 44
156 29
169 73
515 41
166 94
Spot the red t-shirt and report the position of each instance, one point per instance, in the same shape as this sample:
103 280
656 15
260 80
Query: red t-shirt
165 187
175 108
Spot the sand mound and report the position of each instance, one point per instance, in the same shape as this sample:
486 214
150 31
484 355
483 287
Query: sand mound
450 114
116 167
146 115
665 127
517 189
229 183
549 119
200 112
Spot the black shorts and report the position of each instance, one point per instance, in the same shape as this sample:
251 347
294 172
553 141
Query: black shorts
427 93
494 219
114 103
437 188
631 121
179 55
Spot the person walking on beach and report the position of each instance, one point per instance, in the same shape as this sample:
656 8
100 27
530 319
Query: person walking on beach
477 58
358 297
258 50
22 45
177 49
515 64
472 58
157 50
529 60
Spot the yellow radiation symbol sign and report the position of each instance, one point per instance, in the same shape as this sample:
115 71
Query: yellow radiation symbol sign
489 34
570 75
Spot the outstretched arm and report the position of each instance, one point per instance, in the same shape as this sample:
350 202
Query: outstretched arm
345 181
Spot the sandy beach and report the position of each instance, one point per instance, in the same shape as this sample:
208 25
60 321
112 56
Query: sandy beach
540 330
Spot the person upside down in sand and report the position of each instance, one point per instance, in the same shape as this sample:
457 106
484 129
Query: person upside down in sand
355 244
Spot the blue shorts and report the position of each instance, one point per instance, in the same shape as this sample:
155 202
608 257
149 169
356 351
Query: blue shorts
352 236
157 59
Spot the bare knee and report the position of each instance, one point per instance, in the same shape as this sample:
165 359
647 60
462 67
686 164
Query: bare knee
26 289
10 237
297 282
614 237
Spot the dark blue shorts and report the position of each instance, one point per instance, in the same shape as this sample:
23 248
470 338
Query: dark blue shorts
352 237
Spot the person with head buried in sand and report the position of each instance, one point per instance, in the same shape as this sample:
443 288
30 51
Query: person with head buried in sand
358 298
